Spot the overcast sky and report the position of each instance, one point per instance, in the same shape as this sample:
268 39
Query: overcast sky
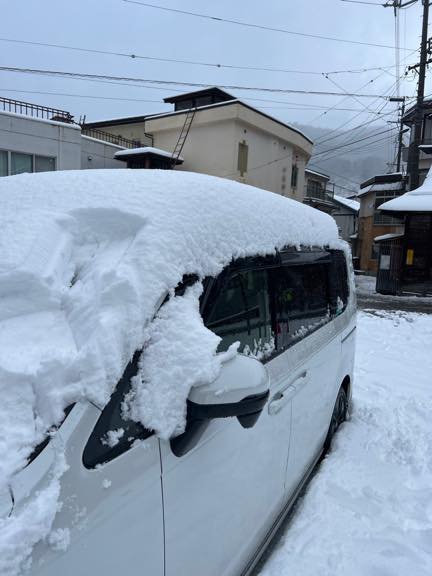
115 25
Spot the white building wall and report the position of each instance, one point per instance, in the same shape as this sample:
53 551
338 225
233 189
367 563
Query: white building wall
99 154
346 221
28 135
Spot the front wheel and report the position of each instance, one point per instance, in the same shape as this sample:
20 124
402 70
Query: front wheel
339 415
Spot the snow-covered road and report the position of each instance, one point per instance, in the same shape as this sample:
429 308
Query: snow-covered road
368 510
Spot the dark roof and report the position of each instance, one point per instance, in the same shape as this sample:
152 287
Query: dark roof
138 119
383 179
316 173
408 117
115 122
218 95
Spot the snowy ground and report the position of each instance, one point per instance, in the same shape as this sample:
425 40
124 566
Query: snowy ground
368 510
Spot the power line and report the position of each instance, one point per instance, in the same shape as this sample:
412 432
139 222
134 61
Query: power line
354 142
334 173
359 126
93 97
296 106
179 83
135 56
363 2
360 88
369 145
256 26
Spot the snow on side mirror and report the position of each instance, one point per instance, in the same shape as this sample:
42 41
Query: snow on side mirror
241 390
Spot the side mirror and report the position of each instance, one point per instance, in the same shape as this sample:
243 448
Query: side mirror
241 390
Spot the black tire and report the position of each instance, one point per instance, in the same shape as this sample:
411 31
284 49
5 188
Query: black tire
339 415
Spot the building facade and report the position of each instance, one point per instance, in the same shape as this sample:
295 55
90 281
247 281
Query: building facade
373 223
226 138
406 260
320 194
39 139
425 157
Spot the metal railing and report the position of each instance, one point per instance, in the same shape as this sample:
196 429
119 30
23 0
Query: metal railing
110 138
35 110
319 193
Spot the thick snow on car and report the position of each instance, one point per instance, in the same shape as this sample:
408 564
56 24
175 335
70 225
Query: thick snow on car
176 352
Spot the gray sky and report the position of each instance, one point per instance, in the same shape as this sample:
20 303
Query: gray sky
118 26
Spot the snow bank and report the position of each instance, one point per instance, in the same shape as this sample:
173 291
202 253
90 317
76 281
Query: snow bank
86 258
368 510
418 200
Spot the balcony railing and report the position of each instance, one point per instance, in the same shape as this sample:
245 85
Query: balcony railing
318 193
35 110
110 138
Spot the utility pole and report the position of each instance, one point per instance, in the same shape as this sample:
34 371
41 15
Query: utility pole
414 150
401 129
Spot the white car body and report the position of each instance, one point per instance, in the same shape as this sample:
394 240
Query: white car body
209 506
212 510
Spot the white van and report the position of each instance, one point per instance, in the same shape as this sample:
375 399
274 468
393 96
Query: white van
206 500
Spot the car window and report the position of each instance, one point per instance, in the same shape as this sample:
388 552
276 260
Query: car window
114 433
240 311
339 284
300 301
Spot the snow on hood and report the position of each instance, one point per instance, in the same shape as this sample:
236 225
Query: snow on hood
418 200
85 257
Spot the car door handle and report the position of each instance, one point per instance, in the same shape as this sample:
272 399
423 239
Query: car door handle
283 396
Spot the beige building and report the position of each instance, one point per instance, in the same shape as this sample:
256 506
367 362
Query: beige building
226 138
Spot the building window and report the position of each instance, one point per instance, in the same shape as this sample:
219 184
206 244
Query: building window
294 176
427 130
315 189
3 163
380 198
12 163
21 163
44 164
243 150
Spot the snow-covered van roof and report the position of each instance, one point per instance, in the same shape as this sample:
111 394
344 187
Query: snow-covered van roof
89 253
418 200
86 258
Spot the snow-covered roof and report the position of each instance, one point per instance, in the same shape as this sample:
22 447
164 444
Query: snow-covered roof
382 187
387 237
314 173
418 200
351 204
144 150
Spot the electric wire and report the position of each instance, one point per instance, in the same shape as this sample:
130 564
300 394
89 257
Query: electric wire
135 56
256 26
54 73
